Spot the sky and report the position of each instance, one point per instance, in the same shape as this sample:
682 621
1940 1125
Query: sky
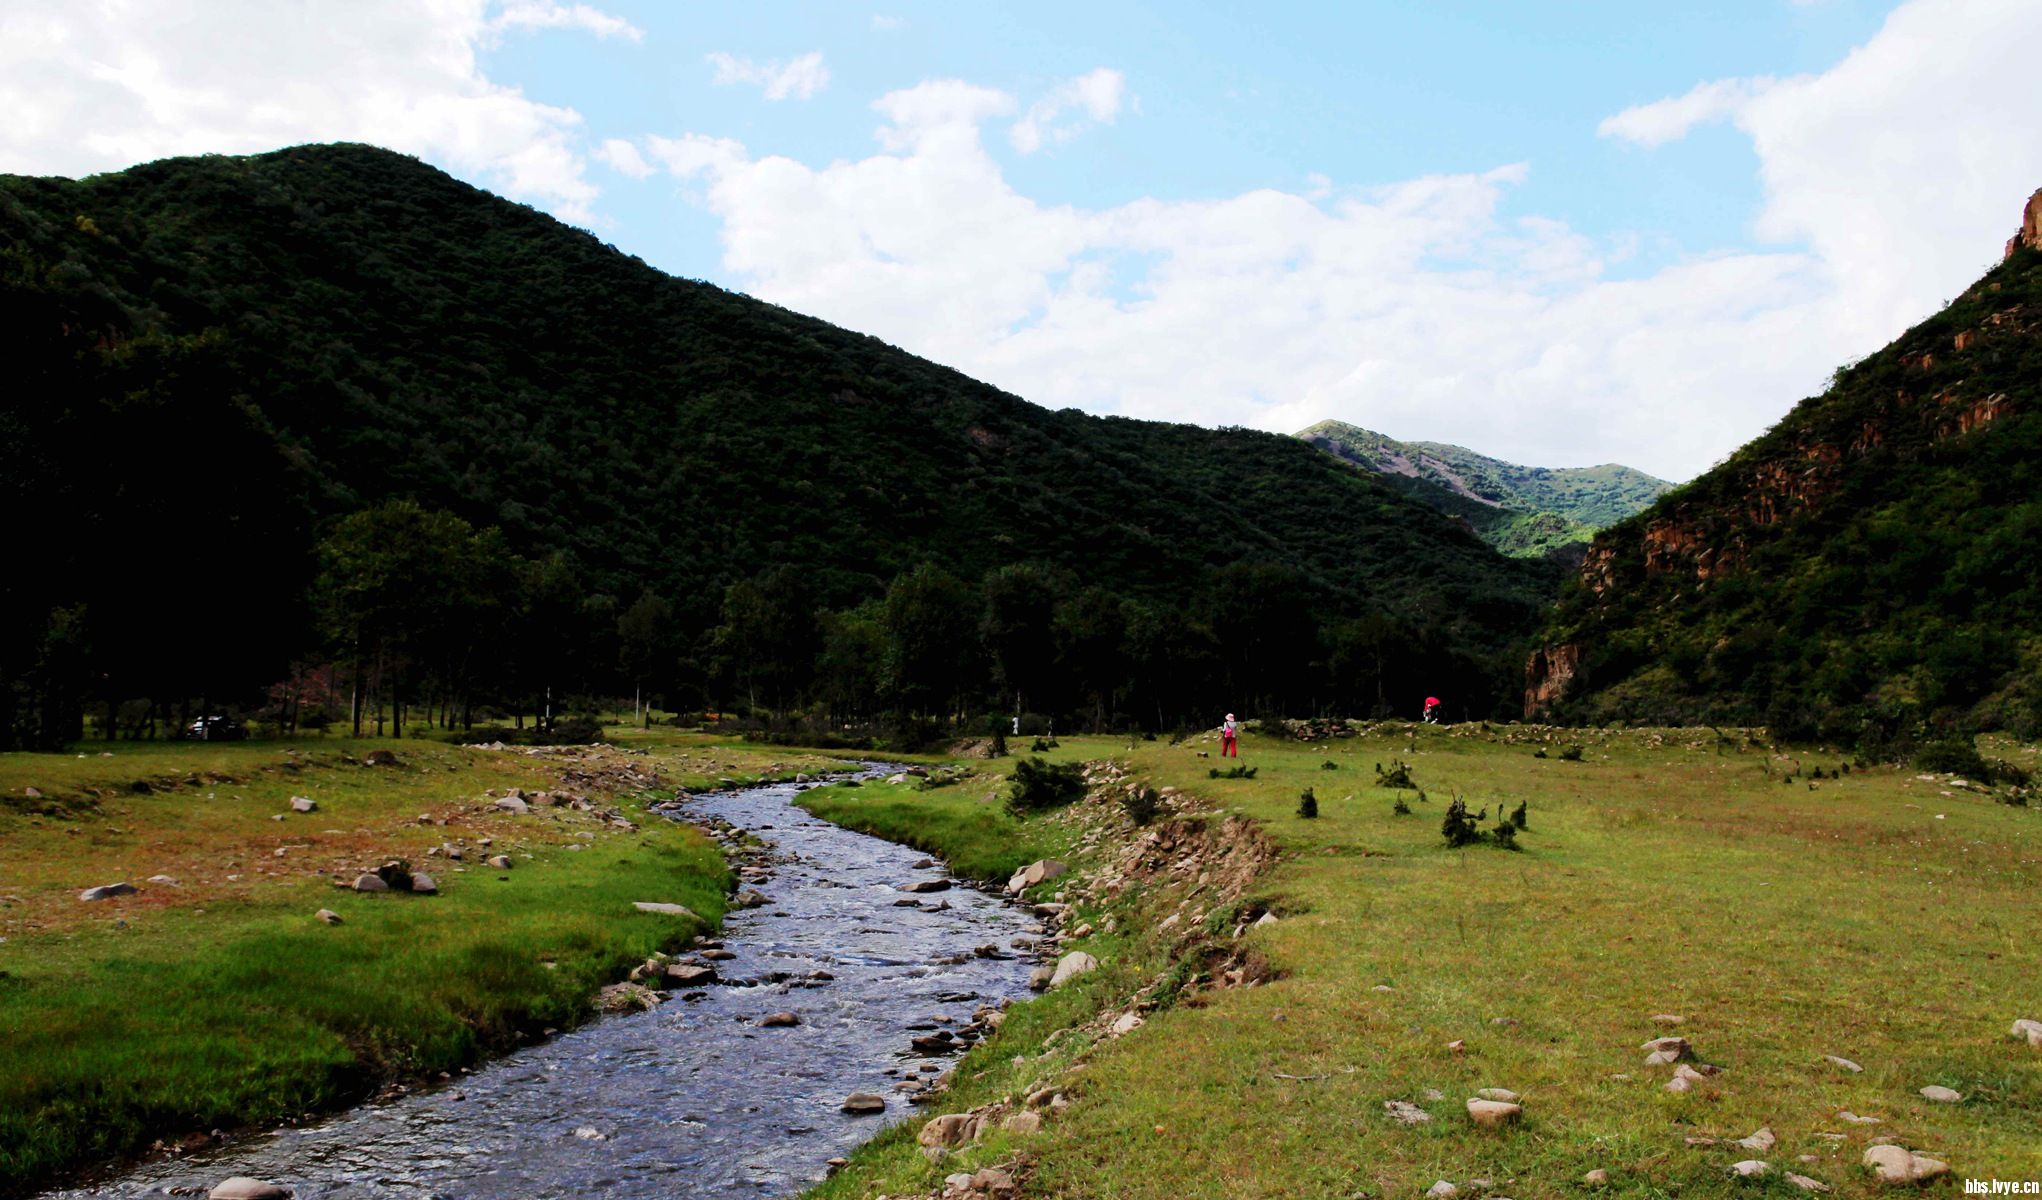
1561 234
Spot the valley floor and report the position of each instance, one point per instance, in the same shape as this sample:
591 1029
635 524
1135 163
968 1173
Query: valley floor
1667 885
214 998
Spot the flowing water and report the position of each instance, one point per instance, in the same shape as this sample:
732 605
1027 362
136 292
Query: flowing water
692 1098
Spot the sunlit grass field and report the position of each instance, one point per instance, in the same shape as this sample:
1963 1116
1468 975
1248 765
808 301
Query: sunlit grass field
1876 917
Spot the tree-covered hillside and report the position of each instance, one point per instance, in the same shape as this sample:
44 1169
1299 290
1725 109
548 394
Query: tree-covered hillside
1871 568
1522 511
220 359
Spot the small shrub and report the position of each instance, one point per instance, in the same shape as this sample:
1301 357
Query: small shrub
1517 816
1039 786
1505 836
1400 808
1459 828
1571 754
1329 765
1308 805
1956 756
1141 805
1038 746
1272 726
1231 773
1398 776
1539 753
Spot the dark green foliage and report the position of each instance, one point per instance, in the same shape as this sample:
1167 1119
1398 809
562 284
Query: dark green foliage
1329 765
1867 572
1570 753
1039 746
1517 817
1398 776
1272 725
1400 808
1504 836
1141 805
1953 758
1231 773
1038 786
1308 805
1459 828
1539 753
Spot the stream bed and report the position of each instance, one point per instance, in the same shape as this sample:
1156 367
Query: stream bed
692 1098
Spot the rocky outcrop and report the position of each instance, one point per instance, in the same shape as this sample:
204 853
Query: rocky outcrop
1547 674
2030 233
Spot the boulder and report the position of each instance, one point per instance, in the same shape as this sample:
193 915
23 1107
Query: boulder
994 1184
658 906
328 916
946 1131
304 804
683 975
513 804
1938 1094
1125 1024
499 862
860 1104
1897 1164
1493 1114
1038 979
369 881
2029 1030
107 891
381 758
1442 1189
241 1187
1070 966
1040 871
1750 1168
928 885
1761 1141
779 1020
1023 1123
423 884
752 898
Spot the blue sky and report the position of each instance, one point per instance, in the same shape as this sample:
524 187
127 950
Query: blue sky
1559 233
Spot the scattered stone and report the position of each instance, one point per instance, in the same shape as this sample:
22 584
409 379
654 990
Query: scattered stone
626 998
1503 1094
164 880
1845 1063
1265 920
1897 1164
513 804
369 881
863 1104
1382 987
1806 1184
380 758
1023 1123
1938 1094
780 1020
685 975
589 1133
422 884
752 898
1403 1112
1072 965
1493 1114
1750 1168
328 916
107 891
660 906
1667 1018
1761 1141
1038 979
1041 870
304 804
1665 1051
499 862
241 1187
946 1131
2029 1029
928 885
1855 1119
1442 1189
1595 1178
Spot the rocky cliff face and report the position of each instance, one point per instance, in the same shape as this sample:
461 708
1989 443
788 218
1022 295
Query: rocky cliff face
1805 561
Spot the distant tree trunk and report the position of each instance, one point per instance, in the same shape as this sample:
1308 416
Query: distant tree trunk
354 702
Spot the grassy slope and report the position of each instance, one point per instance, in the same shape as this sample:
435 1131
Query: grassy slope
967 824
221 1002
1783 923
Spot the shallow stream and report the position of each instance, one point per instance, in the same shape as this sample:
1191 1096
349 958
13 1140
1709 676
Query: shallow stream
692 1098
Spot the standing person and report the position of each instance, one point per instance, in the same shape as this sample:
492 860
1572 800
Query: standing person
1432 710
1228 733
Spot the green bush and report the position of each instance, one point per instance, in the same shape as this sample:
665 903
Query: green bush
1571 754
1141 805
1038 786
1308 805
1398 776
1517 818
1459 829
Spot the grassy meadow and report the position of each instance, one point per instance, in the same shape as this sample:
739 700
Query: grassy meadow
220 1001
1877 917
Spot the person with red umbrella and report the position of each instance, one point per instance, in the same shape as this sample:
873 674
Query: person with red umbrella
1432 710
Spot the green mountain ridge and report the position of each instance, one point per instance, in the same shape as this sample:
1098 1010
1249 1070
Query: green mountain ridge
1522 511
1868 570
220 357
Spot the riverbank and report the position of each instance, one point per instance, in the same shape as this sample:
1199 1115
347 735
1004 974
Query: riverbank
213 997
1827 948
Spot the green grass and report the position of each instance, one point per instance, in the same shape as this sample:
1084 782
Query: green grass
1877 917
222 1002
967 824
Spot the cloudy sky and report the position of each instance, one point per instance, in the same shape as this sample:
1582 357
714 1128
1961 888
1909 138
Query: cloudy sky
1560 233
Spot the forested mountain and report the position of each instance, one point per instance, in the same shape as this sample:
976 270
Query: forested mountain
1522 511
328 412
1871 568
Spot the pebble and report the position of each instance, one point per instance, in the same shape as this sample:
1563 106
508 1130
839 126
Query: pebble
1595 1178
1845 1063
1442 1189
500 862
1806 1184
328 916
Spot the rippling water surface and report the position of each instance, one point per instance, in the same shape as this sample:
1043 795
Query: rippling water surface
691 1098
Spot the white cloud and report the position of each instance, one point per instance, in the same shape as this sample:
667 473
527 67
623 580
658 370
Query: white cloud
623 157
885 24
1422 308
95 87
541 14
1670 119
799 77
1096 95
